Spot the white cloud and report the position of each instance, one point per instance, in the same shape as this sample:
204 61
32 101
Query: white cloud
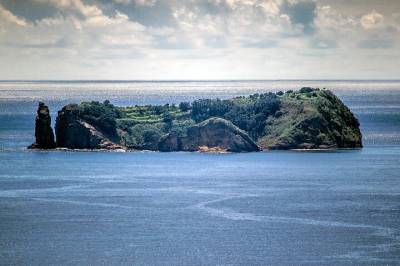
373 20
203 39
102 20
74 5
329 18
77 27
271 7
138 2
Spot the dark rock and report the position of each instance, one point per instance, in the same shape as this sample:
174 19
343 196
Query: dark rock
74 133
214 134
43 132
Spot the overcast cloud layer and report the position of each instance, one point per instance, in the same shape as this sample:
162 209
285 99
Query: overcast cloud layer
199 39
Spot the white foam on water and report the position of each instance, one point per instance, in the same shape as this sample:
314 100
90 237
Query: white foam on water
76 202
231 214
226 213
32 192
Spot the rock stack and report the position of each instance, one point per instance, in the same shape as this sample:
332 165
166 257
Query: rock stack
43 132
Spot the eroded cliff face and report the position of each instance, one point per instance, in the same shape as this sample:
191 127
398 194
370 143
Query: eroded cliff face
211 134
44 136
74 133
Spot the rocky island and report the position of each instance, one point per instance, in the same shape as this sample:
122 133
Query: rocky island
304 119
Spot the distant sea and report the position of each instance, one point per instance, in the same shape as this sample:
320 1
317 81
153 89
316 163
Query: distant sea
148 208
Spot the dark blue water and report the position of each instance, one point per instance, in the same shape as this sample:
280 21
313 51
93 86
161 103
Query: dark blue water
149 208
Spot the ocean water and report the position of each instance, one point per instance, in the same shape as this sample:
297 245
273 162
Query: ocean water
149 208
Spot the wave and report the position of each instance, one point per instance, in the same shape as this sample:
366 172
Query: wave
76 202
233 215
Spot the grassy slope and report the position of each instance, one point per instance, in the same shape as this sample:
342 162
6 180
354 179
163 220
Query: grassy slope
143 126
316 119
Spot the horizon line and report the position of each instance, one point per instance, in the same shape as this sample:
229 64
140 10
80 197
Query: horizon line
184 80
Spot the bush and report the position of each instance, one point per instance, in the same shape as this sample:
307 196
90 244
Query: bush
252 112
158 109
306 90
101 115
206 108
278 114
184 106
144 137
167 118
125 123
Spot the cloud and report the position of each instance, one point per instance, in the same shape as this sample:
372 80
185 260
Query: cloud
137 2
328 18
196 38
7 17
373 20
301 13
77 27
29 10
76 6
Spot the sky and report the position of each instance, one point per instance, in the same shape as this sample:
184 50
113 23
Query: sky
199 39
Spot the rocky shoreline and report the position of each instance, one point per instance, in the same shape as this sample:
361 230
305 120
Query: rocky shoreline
308 119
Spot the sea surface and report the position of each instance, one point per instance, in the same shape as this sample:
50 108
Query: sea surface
149 208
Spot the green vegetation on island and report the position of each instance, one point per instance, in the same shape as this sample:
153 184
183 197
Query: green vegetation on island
305 119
